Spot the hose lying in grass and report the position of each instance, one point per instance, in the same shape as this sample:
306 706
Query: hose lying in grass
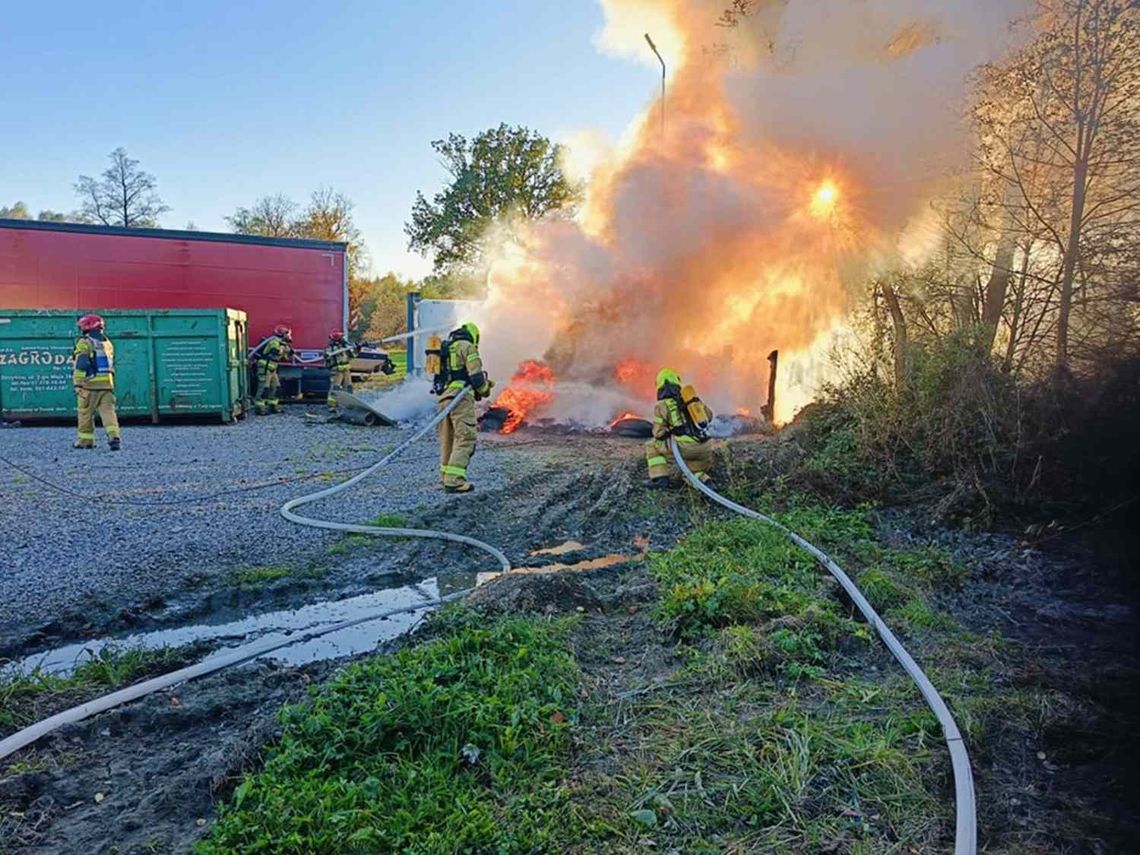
33 732
966 832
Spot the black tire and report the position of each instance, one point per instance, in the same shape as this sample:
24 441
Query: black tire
633 428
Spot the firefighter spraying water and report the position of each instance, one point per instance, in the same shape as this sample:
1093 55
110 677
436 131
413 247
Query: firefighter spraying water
454 363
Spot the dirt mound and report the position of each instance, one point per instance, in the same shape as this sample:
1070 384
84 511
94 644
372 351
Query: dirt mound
543 592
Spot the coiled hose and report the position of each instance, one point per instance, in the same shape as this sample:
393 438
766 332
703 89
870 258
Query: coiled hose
33 732
966 828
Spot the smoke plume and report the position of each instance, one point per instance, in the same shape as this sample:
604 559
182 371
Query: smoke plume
801 144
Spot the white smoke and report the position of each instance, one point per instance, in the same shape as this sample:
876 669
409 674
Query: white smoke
411 401
699 248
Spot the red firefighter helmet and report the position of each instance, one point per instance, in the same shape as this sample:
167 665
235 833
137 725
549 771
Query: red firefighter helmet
336 335
282 331
90 323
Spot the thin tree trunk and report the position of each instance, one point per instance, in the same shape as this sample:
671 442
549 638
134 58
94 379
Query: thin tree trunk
1068 268
994 296
902 346
1018 303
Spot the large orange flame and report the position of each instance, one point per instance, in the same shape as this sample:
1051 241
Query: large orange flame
636 375
531 387
800 147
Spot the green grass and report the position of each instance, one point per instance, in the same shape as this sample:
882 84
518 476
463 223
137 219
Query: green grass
745 573
352 542
758 731
457 745
752 768
257 577
28 697
379 380
399 359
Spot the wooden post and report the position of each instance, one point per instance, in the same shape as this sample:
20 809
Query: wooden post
770 407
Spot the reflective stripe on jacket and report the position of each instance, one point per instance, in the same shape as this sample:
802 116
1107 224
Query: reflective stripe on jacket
94 363
273 351
339 355
669 421
463 362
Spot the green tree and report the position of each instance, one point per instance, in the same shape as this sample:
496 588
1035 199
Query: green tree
124 196
381 306
503 173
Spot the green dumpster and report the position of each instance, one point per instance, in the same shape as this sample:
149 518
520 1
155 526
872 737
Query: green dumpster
169 362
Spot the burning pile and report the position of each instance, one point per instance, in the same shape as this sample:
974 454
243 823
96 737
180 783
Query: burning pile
802 142
531 387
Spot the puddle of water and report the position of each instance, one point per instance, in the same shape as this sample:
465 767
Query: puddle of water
258 628
561 549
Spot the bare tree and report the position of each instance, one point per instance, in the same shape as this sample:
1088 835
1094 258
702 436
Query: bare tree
328 216
124 196
1065 140
269 216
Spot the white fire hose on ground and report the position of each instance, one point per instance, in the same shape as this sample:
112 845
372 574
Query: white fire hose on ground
383 531
966 831
30 734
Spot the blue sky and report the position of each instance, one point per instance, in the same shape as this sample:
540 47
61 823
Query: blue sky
225 101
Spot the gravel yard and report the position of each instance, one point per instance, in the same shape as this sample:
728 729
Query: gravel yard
145 525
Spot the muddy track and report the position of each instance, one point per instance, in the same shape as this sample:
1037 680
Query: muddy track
159 764
139 778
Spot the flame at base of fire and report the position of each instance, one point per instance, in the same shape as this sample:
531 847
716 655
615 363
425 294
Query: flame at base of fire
625 416
531 387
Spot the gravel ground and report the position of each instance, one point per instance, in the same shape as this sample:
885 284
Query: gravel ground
72 562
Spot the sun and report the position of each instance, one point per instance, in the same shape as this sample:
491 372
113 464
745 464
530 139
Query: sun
824 199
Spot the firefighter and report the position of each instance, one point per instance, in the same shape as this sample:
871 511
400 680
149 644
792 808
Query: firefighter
268 356
462 366
683 417
338 360
94 381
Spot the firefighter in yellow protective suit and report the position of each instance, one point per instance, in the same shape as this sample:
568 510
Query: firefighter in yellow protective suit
268 357
338 360
94 381
675 416
461 367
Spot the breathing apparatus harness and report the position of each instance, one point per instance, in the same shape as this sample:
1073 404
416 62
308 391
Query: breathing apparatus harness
695 414
438 362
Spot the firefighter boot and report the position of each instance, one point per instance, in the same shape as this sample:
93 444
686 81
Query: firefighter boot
464 487
662 482
115 443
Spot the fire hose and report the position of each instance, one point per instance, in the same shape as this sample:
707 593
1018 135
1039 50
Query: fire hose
966 831
76 714
383 531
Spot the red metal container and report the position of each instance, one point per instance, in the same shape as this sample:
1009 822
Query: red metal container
300 283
